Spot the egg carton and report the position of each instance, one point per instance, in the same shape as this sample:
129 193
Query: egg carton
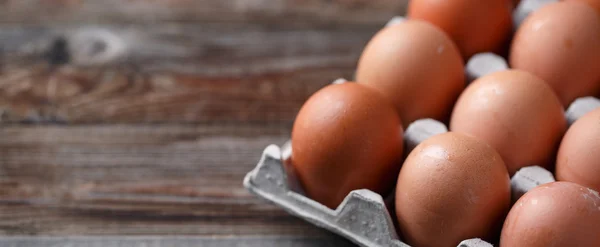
525 8
363 216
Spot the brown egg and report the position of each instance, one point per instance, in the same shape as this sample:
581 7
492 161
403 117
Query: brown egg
346 137
417 67
475 25
516 113
451 187
554 214
560 43
578 157
594 3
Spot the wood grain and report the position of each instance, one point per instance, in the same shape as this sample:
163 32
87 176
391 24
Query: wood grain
76 96
164 241
170 73
268 11
137 180
207 48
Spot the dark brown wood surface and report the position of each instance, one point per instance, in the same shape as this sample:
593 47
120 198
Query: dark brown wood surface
137 120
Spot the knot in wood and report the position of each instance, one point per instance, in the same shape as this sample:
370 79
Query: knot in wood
95 47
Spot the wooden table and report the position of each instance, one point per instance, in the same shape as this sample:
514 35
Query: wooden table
132 123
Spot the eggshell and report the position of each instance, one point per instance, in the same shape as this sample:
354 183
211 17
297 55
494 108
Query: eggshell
474 25
346 137
578 157
560 43
516 113
554 214
451 187
594 3
416 66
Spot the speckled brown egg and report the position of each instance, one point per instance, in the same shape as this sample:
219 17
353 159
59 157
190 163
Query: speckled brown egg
554 214
578 157
346 137
416 66
474 25
560 43
451 187
516 113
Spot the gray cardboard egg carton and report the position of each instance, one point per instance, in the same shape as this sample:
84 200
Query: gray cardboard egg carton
363 216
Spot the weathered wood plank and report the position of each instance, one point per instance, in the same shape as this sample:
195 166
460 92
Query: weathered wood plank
86 158
170 73
164 241
76 96
132 180
307 11
210 49
21 220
